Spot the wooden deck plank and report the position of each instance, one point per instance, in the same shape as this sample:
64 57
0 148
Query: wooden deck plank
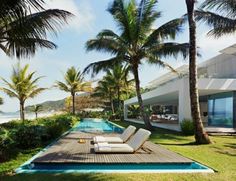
68 150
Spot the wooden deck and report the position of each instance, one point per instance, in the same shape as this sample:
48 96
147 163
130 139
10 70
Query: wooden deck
68 150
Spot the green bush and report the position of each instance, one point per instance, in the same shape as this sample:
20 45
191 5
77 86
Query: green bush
6 145
187 127
15 136
57 125
27 136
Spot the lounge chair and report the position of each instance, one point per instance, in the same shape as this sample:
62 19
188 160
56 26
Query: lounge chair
127 133
132 145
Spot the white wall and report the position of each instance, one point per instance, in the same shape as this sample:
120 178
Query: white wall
184 100
221 66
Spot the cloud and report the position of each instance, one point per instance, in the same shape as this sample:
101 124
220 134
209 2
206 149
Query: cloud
82 10
211 45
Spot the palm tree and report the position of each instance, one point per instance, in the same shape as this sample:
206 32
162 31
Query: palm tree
201 136
36 109
23 32
74 82
220 15
22 86
137 41
118 78
105 90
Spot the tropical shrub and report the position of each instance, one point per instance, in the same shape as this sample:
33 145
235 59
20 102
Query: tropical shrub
6 145
187 127
56 125
15 136
27 136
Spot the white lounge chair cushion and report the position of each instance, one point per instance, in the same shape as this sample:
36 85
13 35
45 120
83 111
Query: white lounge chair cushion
110 148
101 139
132 145
139 138
128 132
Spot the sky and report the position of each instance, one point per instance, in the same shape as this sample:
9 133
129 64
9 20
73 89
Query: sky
90 18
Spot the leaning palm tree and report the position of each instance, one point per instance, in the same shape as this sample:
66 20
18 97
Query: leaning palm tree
74 82
22 86
201 136
220 15
137 41
23 32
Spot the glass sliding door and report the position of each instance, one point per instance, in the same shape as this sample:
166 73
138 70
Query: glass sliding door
220 110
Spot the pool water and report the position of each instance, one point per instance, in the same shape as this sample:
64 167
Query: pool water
97 125
118 168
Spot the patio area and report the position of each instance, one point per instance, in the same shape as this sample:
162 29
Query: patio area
68 150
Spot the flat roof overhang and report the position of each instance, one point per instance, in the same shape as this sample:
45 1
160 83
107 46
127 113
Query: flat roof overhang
169 93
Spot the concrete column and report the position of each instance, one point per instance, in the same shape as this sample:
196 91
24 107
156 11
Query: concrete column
184 108
125 112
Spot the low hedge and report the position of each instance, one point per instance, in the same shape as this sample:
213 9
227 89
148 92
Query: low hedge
15 136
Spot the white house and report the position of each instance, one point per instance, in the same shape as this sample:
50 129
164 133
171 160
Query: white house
217 91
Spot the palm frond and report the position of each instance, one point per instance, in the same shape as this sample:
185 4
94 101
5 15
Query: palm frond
147 15
21 36
35 92
9 92
170 49
62 86
226 7
118 9
103 65
155 60
221 25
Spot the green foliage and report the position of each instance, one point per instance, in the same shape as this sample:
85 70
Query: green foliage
220 15
222 158
22 31
137 40
15 136
22 86
6 145
28 136
73 83
102 115
187 127
133 111
56 125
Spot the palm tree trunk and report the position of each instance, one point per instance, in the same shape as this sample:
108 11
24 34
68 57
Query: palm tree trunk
140 100
36 115
73 103
118 96
111 101
201 136
22 111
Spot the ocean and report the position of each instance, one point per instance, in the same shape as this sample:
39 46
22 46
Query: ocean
6 117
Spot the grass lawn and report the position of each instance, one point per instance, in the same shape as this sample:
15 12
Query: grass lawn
221 156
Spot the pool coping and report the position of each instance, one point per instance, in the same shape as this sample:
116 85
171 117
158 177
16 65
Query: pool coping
21 169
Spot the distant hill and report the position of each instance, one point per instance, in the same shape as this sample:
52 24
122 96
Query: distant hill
49 106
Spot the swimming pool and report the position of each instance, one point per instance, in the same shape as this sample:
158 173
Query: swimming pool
97 125
116 168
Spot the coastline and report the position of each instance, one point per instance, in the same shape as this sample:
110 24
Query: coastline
7 117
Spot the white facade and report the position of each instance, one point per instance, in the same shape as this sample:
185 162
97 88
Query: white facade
216 75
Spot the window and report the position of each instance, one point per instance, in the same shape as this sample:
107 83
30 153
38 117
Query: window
220 108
